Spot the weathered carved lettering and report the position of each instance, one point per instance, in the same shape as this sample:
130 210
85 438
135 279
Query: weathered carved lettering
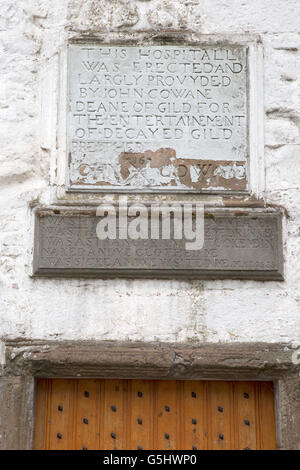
128 99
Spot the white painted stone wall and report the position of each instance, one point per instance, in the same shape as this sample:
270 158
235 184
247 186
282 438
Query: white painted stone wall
32 32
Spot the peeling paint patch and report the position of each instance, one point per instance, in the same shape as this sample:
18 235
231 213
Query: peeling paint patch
163 169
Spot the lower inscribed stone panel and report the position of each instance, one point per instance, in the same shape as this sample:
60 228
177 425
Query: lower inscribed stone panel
243 246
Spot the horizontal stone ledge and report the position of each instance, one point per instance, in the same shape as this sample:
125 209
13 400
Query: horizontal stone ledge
42 358
237 245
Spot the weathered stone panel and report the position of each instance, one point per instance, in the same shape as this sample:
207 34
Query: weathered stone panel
235 246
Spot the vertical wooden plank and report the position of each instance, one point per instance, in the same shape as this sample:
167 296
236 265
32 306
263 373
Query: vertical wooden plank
101 407
245 418
166 415
41 414
73 408
140 415
49 404
267 416
234 419
208 414
179 390
257 416
114 414
220 415
194 416
155 414
61 413
126 415
86 415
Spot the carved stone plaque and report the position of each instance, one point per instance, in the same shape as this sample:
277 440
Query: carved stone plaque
235 247
157 118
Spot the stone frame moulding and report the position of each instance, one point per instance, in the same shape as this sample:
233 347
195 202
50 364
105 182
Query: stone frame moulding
57 71
27 360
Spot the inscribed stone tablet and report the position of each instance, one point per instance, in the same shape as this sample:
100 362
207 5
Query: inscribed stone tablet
157 118
235 247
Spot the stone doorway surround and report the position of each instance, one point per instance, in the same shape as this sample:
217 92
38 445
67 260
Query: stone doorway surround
27 360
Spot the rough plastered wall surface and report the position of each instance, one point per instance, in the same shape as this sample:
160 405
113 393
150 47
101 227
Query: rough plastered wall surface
32 33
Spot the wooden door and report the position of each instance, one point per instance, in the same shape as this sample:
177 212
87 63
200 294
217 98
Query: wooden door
153 414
